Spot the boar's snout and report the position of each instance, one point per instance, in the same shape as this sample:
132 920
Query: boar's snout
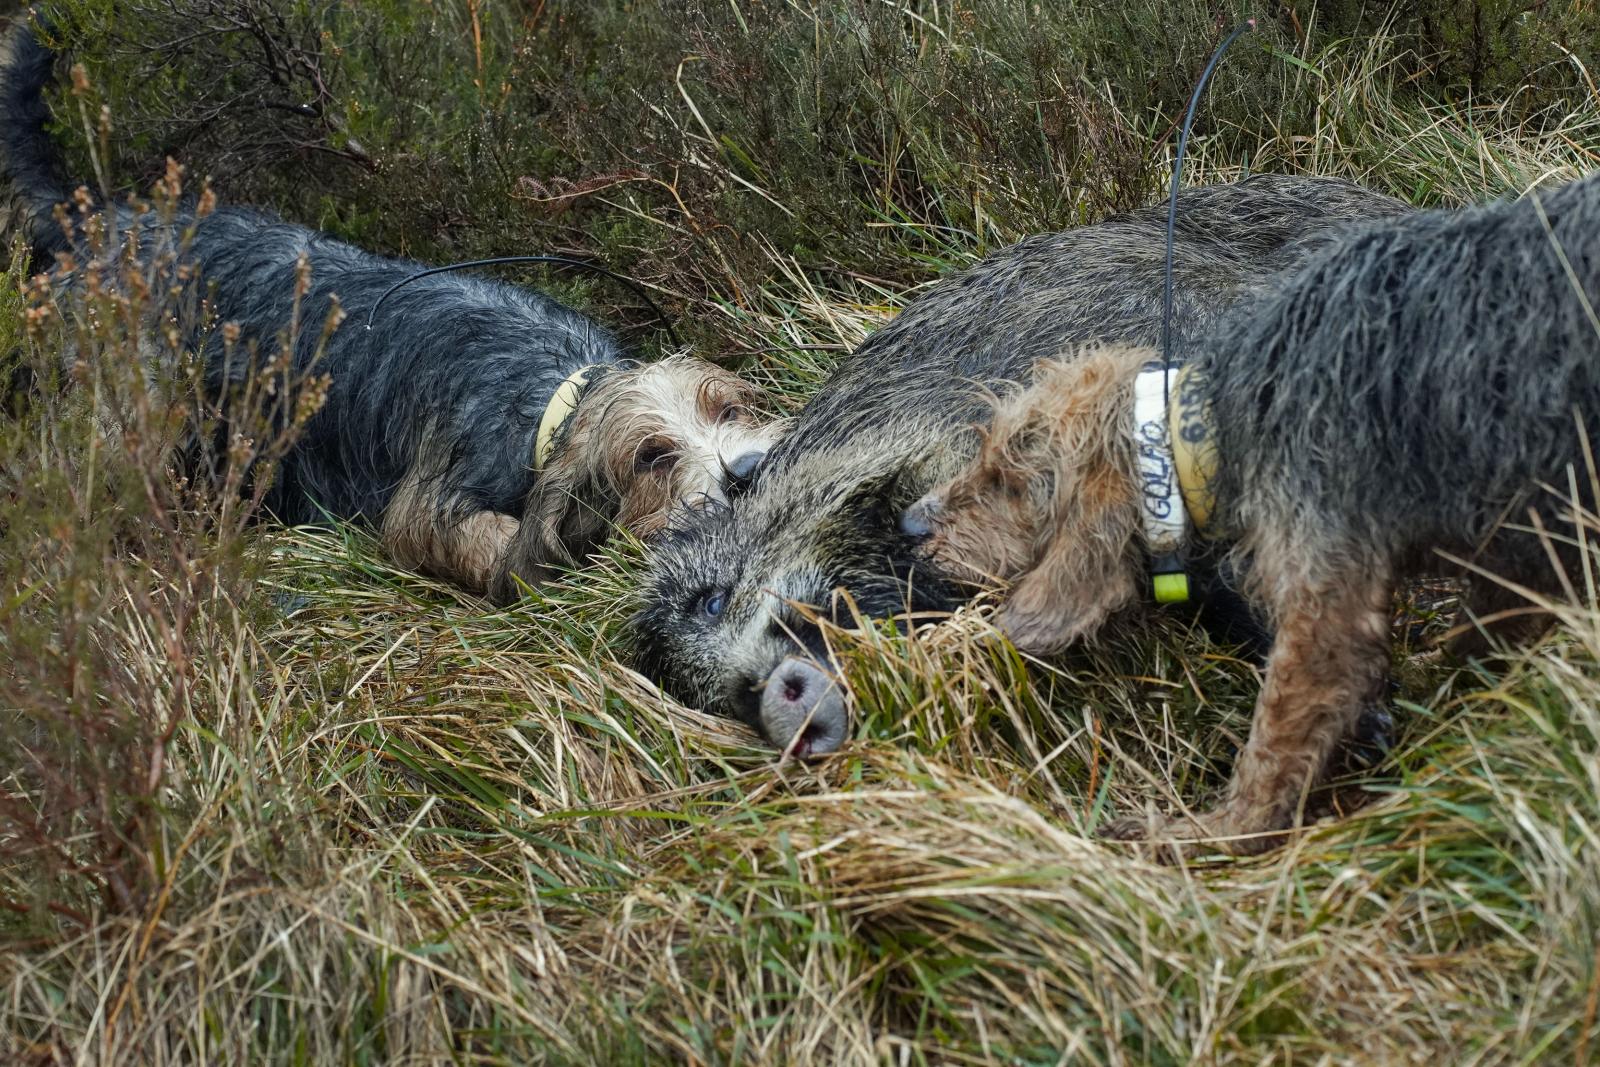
800 696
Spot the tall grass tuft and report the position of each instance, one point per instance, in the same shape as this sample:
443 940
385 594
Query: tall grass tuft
126 488
269 799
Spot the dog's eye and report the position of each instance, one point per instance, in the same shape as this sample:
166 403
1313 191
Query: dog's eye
731 413
654 456
712 603
1002 485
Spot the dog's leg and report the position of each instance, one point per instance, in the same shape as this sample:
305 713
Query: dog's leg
1328 658
475 545
418 533
465 552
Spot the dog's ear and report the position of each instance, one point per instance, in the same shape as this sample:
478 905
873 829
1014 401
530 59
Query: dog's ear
568 515
1087 566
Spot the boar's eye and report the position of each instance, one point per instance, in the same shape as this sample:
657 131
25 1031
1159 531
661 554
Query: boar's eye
712 603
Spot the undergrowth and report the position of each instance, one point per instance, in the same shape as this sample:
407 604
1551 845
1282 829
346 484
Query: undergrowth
269 799
691 143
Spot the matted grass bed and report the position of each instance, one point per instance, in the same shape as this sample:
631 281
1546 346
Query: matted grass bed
267 799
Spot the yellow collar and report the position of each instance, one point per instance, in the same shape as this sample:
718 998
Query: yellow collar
563 402
1194 448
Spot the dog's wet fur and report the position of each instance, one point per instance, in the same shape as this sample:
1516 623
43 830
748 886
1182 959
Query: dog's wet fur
428 430
1419 399
902 413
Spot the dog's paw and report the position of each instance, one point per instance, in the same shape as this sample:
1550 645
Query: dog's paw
1132 828
1168 839
1161 838
1369 742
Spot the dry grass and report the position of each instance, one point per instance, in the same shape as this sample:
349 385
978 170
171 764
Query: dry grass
391 825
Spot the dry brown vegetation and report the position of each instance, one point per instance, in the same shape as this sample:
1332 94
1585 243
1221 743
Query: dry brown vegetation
268 799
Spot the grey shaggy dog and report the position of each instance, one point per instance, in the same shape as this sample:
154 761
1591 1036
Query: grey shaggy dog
1419 399
429 429
718 625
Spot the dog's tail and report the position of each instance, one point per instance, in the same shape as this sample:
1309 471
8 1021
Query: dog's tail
29 162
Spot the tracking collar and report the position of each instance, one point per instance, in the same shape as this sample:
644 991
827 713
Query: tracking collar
1176 458
563 402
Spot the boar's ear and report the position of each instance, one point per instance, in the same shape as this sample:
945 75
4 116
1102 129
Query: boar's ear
1086 568
877 503
873 503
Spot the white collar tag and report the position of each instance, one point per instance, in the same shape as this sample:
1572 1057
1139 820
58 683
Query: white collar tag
1160 497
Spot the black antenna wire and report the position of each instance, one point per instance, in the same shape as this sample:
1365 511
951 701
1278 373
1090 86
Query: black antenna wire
560 261
1172 203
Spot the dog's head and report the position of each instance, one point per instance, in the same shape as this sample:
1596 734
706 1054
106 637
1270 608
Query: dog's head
1049 507
644 440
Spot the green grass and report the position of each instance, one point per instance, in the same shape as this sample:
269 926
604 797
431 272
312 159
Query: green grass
389 824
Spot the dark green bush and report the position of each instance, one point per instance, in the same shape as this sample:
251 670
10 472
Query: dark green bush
689 141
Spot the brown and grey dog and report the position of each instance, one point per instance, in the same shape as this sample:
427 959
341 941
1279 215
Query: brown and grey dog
492 434
1418 399
722 622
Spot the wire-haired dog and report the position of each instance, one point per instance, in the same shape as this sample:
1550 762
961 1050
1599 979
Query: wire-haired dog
718 624
1418 399
490 432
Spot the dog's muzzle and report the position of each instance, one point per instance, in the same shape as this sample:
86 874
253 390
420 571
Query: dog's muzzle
740 475
917 521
